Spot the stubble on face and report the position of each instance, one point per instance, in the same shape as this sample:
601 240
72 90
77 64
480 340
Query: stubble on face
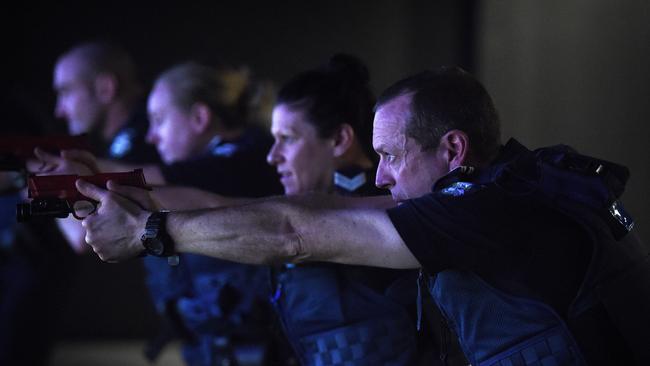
76 102
409 171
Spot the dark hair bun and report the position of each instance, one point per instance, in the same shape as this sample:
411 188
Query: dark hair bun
332 94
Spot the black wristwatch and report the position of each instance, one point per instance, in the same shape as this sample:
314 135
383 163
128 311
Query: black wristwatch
155 239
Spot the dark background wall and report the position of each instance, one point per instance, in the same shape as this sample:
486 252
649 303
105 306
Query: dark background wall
275 39
574 72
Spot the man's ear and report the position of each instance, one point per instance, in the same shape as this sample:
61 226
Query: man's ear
200 117
455 145
343 139
106 87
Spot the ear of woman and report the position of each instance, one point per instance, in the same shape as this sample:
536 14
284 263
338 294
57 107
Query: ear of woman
343 139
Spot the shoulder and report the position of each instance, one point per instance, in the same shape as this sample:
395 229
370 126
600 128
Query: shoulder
129 143
252 142
232 168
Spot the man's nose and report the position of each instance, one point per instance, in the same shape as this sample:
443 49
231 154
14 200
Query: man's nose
383 179
151 137
273 157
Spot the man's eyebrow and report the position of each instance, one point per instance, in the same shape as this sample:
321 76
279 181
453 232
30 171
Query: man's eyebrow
284 131
381 148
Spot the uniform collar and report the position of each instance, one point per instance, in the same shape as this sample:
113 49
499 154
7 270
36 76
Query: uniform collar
214 142
507 153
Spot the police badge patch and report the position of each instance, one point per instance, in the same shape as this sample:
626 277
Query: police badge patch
458 189
122 144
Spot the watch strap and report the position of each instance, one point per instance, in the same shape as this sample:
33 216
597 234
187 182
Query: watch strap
155 238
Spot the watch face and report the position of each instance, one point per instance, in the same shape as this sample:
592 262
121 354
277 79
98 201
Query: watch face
155 246
154 239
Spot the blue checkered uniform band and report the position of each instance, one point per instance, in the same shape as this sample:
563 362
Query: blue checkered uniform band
551 348
376 342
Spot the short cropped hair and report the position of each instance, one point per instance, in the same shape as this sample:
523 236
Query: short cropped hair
445 99
104 57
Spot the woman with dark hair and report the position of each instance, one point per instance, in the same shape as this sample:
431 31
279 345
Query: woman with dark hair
334 314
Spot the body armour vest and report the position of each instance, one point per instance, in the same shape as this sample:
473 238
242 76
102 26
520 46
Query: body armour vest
347 315
496 328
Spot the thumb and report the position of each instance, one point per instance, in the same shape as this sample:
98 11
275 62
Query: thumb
91 190
82 156
135 194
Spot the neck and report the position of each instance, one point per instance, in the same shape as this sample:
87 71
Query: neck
205 139
227 134
355 156
117 116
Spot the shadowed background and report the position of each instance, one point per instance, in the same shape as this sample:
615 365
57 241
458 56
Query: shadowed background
560 72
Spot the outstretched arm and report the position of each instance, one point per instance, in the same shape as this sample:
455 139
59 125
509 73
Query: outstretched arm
272 230
178 198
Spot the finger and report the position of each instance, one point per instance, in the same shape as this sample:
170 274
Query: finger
81 156
91 190
38 166
100 254
138 195
44 163
78 155
83 208
46 157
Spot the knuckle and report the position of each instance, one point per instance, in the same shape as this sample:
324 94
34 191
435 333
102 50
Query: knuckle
100 254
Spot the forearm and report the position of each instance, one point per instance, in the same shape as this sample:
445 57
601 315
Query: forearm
350 231
152 172
258 234
266 231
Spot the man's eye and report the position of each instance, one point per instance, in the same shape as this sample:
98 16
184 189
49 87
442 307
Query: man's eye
288 139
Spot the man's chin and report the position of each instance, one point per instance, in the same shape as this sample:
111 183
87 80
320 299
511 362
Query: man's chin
290 191
77 128
166 159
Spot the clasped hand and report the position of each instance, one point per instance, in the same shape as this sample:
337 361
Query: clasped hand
76 162
114 230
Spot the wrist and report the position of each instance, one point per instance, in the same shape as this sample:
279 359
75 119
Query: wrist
155 239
